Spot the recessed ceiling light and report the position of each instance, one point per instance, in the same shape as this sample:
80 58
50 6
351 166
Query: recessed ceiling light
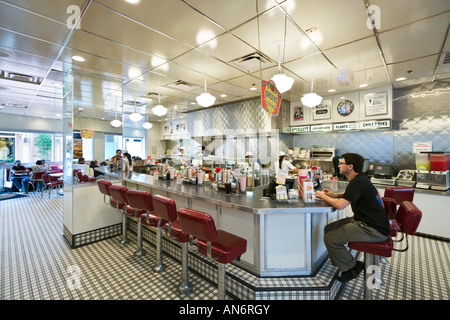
400 79
253 88
133 1
223 95
363 85
332 90
78 58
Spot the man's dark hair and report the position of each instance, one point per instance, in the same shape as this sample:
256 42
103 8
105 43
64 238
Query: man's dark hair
356 160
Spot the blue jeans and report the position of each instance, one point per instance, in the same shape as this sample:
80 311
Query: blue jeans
21 180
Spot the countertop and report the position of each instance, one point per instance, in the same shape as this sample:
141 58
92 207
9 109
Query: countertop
249 202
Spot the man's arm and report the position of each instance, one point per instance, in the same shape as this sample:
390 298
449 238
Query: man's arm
335 202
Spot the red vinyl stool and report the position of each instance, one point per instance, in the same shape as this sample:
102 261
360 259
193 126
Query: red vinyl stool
103 186
142 201
408 217
167 210
119 194
398 194
219 245
390 206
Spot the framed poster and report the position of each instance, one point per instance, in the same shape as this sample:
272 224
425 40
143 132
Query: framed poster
375 104
298 113
322 111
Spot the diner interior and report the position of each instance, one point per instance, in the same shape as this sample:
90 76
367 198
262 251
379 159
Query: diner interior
68 67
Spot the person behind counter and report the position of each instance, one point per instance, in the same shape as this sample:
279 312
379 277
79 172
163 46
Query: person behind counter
283 167
368 224
20 177
118 156
127 162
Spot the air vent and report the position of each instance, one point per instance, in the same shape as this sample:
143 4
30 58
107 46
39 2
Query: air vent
132 102
13 105
445 58
153 95
182 85
20 77
251 62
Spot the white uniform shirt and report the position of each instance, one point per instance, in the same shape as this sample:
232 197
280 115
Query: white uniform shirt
285 167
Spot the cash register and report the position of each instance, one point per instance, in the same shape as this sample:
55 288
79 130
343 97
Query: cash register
382 174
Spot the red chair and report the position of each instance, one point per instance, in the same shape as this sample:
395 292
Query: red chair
103 186
219 245
141 203
37 178
166 209
390 206
50 183
119 194
408 217
398 194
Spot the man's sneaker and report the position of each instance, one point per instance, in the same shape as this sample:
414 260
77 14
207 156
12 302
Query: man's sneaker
352 273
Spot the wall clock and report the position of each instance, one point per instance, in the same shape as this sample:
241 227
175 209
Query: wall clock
345 107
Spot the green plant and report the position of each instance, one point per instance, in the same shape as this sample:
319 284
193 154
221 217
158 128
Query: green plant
44 142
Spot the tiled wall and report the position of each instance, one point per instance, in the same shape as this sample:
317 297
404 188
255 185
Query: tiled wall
421 114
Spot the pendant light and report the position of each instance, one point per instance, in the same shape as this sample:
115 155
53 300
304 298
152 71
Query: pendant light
116 123
282 81
205 99
159 110
135 117
311 99
147 125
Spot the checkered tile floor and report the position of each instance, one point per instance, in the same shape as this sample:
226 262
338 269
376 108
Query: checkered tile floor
36 263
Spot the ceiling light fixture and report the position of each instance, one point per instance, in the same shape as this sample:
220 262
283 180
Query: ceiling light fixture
147 125
133 1
282 81
78 58
135 117
159 110
205 99
311 99
363 85
400 79
116 123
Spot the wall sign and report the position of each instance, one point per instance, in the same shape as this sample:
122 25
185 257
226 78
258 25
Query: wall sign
322 111
300 129
270 97
375 124
375 104
346 126
422 147
321 127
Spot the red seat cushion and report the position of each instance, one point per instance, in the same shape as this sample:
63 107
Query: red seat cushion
133 212
226 247
394 227
383 249
152 220
176 232
408 217
116 204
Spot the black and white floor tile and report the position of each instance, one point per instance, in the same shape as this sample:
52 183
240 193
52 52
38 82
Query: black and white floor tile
36 263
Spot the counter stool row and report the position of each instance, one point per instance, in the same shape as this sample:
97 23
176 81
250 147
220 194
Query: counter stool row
183 225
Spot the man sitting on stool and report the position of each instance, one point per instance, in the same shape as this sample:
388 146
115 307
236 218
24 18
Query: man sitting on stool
20 177
369 223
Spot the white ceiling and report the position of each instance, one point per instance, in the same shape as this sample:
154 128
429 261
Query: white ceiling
151 46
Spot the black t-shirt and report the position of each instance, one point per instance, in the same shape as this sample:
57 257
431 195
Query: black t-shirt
367 204
19 168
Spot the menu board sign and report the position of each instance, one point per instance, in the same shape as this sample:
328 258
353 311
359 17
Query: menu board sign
86 133
346 126
300 129
270 97
375 124
322 127
322 111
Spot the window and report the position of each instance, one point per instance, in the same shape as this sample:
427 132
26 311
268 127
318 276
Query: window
112 143
135 147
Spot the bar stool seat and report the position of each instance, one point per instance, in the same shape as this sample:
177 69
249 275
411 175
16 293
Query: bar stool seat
119 198
225 248
222 246
141 207
390 206
176 232
408 218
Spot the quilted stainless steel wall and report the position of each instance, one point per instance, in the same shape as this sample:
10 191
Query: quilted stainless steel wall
421 114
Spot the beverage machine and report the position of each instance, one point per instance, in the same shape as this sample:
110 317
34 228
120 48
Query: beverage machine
433 171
